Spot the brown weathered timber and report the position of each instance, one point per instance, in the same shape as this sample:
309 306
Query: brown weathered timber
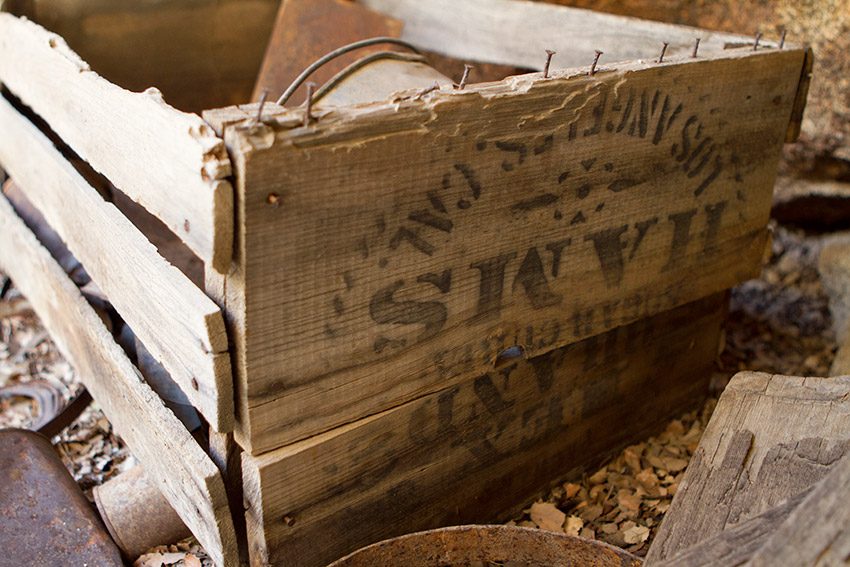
817 533
172 458
389 250
477 451
180 325
771 437
166 160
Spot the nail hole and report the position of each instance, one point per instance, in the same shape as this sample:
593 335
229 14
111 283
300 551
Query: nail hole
273 200
509 355
186 225
289 520
195 384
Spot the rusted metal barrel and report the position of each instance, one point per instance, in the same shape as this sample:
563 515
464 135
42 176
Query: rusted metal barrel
488 545
137 516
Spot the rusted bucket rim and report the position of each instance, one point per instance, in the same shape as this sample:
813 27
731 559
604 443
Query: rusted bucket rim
462 545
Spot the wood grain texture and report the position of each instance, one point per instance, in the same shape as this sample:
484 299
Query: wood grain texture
478 451
511 32
174 319
817 533
200 53
390 250
771 437
168 161
171 457
735 545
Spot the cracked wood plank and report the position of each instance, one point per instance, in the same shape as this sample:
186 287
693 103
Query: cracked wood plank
770 438
172 458
168 161
392 249
175 320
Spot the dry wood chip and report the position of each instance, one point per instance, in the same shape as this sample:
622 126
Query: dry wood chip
573 526
547 516
571 489
636 534
610 528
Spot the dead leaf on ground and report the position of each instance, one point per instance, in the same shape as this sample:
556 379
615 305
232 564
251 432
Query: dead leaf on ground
547 516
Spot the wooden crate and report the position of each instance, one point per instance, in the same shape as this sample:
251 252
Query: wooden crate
364 273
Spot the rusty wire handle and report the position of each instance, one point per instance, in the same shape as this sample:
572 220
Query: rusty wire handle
290 90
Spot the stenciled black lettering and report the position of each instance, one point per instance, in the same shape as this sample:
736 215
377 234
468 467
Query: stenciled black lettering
609 249
491 286
714 214
547 144
520 149
420 422
471 179
598 112
404 234
556 248
718 167
642 227
429 219
532 279
686 140
486 391
681 238
385 310
443 281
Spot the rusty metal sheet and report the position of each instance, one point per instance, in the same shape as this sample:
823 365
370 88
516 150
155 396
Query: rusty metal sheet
305 30
44 517
501 545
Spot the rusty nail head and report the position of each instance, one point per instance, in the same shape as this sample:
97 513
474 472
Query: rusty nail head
595 61
696 48
260 109
756 42
311 86
663 51
466 70
549 54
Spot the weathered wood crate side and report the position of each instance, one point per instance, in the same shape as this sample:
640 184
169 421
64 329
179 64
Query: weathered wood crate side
389 250
172 458
477 451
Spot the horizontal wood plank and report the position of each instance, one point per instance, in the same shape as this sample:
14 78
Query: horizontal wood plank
175 320
166 160
511 32
390 250
770 437
172 458
478 451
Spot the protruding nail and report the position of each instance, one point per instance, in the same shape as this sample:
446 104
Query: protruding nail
595 61
756 42
423 92
663 51
696 48
309 109
549 54
782 39
262 103
466 70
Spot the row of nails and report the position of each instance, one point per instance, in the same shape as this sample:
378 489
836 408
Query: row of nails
308 117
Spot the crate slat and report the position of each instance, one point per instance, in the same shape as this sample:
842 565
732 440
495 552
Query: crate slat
390 250
171 457
168 161
174 319
474 452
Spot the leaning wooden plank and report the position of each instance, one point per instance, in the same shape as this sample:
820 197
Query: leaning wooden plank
478 451
180 325
735 545
511 32
388 250
168 161
172 458
818 532
771 437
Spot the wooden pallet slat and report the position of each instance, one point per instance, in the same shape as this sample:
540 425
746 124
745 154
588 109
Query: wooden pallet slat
168 161
174 319
171 457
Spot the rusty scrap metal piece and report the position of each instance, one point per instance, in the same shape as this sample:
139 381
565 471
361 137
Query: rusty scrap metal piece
498 545
136 514
54 414
45 518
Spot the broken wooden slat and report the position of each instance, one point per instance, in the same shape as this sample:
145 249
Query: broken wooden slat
771 437
817 533
168 161
180 325
509 32
476 451
172 458
390 250
735 545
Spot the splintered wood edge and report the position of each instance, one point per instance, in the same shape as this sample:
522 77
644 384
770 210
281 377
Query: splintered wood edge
172 458
193 348
170 162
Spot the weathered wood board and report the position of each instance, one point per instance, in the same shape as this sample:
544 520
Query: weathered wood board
770 438
477 451
172 458
176 321
389 250
168 161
